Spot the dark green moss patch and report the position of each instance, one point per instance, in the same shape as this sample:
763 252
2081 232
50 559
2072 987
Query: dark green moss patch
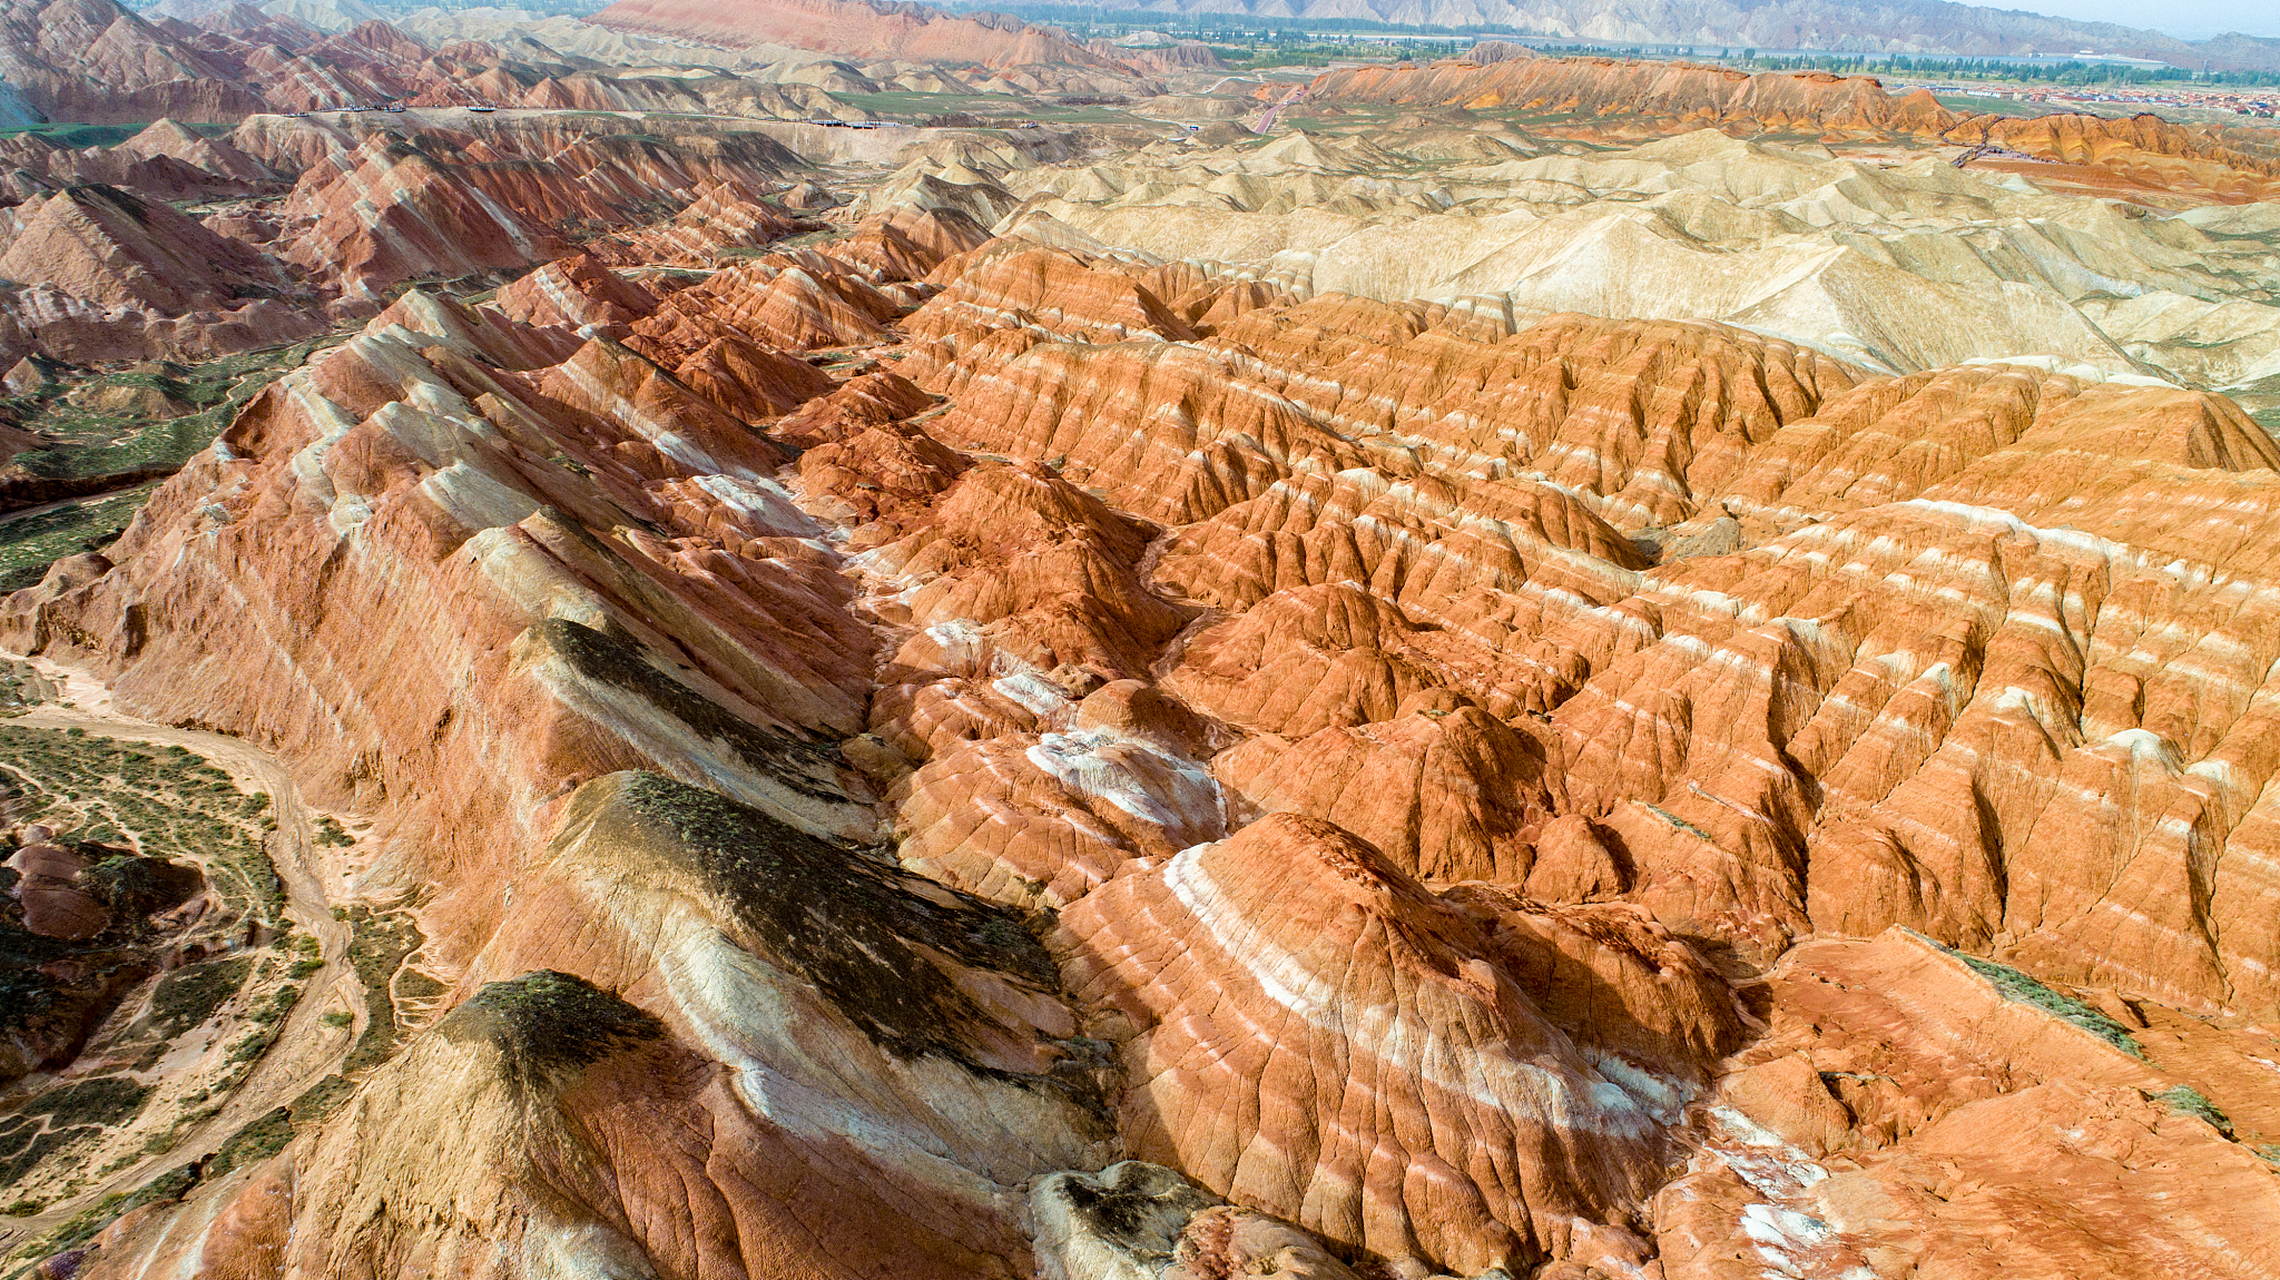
31 543
806 768
547 1022
414 985
104 1101
319 1101
25 1148
850 922
133 886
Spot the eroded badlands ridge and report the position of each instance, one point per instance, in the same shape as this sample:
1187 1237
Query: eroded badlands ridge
952 748
2228 164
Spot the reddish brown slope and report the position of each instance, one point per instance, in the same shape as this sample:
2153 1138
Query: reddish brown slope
2142 153
1605 86
1233 629
92 60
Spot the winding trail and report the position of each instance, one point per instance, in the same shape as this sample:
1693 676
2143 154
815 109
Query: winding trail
305 1050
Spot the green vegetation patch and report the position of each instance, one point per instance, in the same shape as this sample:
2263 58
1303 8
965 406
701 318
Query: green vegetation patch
30 543
254 1143
171 804
378 944
319 1101
54 1123
159 416
158 825
2012 984
102 1101
1680 823
25 1147
188 996
2187 1100
150 416
78 137
1964 104
171 1185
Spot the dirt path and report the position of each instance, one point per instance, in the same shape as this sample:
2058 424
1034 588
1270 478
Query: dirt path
125 480
305 1050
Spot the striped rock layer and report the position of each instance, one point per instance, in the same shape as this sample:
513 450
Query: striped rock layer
953 716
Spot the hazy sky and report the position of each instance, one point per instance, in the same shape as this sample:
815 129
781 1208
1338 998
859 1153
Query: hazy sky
2190 19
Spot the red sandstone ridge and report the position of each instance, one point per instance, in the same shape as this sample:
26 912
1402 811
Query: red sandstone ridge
1604 86
94 60
91 60
111 275
2143 152
1371 1067
860 28
394 206
103 266
116 249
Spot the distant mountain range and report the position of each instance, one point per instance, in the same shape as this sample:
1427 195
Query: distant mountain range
1861 26
1857 26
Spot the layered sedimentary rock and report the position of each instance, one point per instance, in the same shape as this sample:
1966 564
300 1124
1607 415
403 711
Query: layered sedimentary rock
832 1139
1600 86
1718 758
1140 1219
115 250
2142 151
1355 1021
576 293
717 224
801 300
109 275
335 457
1891 1064
105 268
387 210
1824 249
984 745
94 60
166 160
1448 795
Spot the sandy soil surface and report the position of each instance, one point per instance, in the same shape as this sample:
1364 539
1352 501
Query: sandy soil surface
305 1050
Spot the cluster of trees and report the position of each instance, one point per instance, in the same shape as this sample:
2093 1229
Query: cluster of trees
2070 72
1256 41
1089 21
1283 48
